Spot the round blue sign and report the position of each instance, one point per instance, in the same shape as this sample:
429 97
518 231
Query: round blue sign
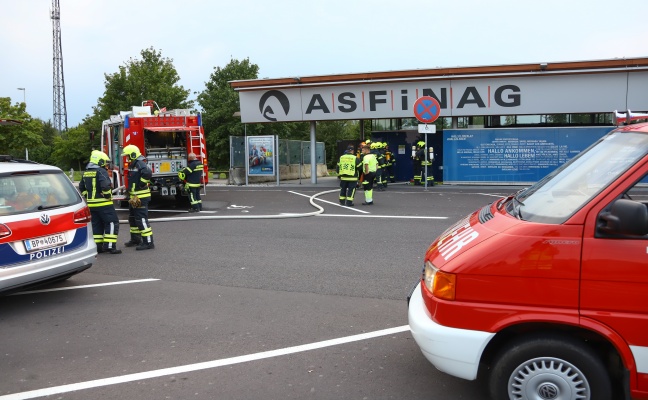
427 109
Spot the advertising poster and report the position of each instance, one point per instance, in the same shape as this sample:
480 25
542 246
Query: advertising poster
260 150
511 155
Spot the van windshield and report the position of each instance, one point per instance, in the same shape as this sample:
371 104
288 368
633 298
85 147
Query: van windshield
564 191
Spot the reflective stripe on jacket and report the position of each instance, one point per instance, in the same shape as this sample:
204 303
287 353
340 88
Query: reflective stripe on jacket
95 186
139 177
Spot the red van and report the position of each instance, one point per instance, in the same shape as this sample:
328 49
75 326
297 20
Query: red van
544 293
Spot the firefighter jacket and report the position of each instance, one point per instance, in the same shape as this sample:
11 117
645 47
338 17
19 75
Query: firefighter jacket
192 173
371 162
380 158
95 186
420 156
139 177
349 167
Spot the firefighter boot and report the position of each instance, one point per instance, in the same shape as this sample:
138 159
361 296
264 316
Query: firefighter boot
146 244
134 241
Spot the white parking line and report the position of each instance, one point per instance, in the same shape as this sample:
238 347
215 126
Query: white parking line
200 366
83 286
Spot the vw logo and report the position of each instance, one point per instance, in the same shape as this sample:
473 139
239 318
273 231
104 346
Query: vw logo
44 219
548 391
266 110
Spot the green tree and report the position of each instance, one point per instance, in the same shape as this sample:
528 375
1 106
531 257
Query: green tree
219 103
43 153
152 77
330 132
72 149
15 139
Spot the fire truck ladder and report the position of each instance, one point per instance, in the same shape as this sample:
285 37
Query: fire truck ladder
195 142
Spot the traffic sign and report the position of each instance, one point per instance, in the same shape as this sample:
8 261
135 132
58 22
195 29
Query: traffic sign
427 109
425 128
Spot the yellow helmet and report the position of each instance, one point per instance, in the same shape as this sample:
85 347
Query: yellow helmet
373 145
421 144
99 157
95 157
103 159
132 151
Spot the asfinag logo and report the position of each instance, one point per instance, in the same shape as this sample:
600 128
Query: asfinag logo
265 104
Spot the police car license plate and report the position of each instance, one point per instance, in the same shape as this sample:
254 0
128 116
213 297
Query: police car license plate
45 242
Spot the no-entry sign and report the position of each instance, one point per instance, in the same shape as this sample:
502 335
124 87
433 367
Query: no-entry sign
427 109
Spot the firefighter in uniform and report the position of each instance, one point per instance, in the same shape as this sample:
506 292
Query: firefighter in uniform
348 169
384 174
426 167
96 187
375 150
419 157
139 176
192 175
369 168
390 162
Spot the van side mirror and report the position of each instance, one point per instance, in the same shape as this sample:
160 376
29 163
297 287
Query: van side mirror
626 217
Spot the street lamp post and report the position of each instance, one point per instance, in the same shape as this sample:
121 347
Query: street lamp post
24 95
25 101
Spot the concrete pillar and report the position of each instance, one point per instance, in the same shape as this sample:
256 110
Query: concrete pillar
313 153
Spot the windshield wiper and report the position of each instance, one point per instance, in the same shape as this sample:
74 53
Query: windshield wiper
42 207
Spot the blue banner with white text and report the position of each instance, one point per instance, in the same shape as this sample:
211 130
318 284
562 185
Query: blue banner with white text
512 155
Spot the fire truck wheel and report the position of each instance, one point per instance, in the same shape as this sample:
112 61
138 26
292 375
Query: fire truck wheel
549 367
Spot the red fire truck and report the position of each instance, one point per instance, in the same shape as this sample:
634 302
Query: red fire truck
164 137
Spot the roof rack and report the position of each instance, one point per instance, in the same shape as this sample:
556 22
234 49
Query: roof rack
10 158
625 117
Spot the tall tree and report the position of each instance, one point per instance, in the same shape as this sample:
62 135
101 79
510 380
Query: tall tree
72 149
219 103
152 77
15 139
43 153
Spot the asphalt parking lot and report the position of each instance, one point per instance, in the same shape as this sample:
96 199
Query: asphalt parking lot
273 292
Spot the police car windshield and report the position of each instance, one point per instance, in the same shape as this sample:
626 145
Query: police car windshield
29 192
564 191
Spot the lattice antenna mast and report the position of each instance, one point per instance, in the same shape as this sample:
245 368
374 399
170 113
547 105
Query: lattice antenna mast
60 111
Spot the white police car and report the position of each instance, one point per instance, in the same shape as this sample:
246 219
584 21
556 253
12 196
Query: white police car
45 230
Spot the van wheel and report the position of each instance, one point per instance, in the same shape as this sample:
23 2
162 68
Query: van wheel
549 368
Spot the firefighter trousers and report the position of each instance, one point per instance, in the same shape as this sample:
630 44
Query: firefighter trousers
140 229
105 227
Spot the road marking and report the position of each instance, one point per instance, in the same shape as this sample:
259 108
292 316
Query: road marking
330 202
83 286
200 366
235 207
379 216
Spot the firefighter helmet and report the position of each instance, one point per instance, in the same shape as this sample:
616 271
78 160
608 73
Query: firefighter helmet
421 144
132 151
94 157
99 157
373 145
103 159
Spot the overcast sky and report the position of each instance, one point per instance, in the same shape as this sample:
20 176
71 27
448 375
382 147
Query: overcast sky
288 38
